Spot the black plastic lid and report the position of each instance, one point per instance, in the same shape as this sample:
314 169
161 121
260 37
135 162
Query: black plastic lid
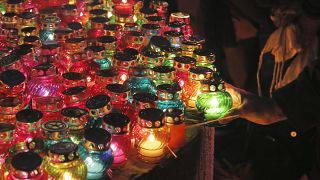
9 14
176 24
31 38
147 10
98 11
131 51
171 49
28 29
95 48
160 41
50 46
69 7
107 39
74 25
112 27
172 88
14 1
73 112
116 119
26 161
185 59
203 52
117 88
47 11
124 56
63 148
24 49
73 76
10 101
145 97
97 101
150 26
6 127
74 90
100 19
63 31
75 40
107 73
200 70
163 69
173 33
12 77
43 67
9 59
151 114
29 115
26 15
135 33
152 54
154 18
97 135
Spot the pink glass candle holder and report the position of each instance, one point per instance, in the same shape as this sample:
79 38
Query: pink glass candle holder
122 62
88 68
12 83
50 107
14 63
182 65
69 14
75 96
9 106
28 125
118 125
72 79
27 56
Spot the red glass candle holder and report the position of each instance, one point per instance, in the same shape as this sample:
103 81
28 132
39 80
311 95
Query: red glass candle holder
109 43
115 30
44 4
9 20
182 17
69 14
15 6
6 141
13 63
159 20
135 40
118 125
78 30
98 106
97 25
75 96
50 107
9 107
160 6
27 56
62 34
72 79
119 94
122 62
73 52
12 83
175 121
182 65
26 19
28 125
103 78
88 68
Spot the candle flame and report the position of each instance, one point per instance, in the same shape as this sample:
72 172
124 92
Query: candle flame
124 1
67 176
151 138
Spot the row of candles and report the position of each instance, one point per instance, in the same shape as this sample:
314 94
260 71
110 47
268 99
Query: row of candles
82 84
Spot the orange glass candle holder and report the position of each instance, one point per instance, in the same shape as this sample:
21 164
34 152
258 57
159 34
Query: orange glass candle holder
175 121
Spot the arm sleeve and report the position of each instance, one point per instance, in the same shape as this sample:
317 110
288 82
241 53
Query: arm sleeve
300 100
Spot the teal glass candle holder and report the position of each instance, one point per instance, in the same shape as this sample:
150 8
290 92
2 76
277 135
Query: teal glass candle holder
98 105
49 24
214 101
169 97
96 152
98 54
54 132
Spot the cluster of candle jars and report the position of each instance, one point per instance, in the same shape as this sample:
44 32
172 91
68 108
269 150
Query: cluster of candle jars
85 86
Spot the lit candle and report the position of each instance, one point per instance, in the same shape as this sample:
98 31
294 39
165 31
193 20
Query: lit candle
151 147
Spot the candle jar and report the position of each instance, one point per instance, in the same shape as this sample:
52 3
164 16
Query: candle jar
75 96
69 14
103 78
144 13
177 26
28 125
73 52
61 35
78 30
174 37
97 25
189 45
53 132
134 39
115 30
123 13
182 17
52 53
76 118
191 89
98 54
12 83
28 57
9 107
10 65
96 13
15 6
214 101
64 162
96 152
204 58
72 79
130 27
9 20
182 65
163 75
151 135
26 32
98 105
118 125
157 43
139 80
170 53
119 94
159 20
151 59
150 30
26 19
6 141
160 6
175 121
169 97
47 12
50 107
122 62
27 165
88 68
109 43
49 24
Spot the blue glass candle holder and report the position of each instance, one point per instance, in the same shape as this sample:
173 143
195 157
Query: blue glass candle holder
49 24
169 97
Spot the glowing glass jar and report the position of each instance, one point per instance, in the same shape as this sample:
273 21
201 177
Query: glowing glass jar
134 39
191 89
27 166
160 6
177 26
49 24
75 96
144 13
96 12
139 80
150 30
103 78
123 12
182 17
64 162
88 68
28 56
204 58
182 65
53 132
9 106
72 79
28 125
174 37
115 30
69 14
159 20
122 62
119 94
52 53
118 125
73 52
12 83
6 141
189 45
169 54
151 58
97 25
61 35
13 64
109 43
214 101
9 20
169 97
163 75
157 43
26 19
78 31
50 107
98 105
175 121
96 152
98 54
76 118
151 135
